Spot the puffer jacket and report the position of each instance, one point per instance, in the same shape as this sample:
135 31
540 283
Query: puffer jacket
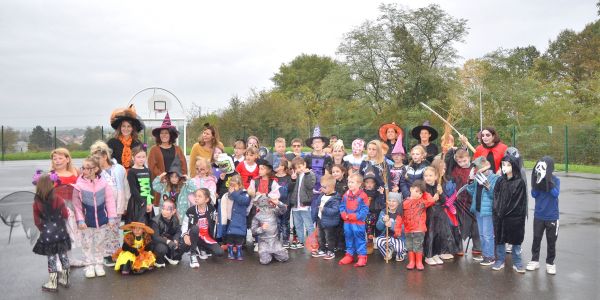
487 196
237 224
330 216
94 202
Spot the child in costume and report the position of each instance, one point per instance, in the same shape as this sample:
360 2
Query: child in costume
176 186
414 217
325 213
234 205
317 161
49 215
199 228
509 213
263 184
458 164
545 188
227 167
482 192
414 170
398 169
264 226
376 202
95 212
354 211
393 221
139 206
167 232
248 169
303 181
438 238
357 156
135 256
205 179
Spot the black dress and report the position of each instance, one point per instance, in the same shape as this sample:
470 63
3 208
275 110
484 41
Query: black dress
54 238
439 238
141 187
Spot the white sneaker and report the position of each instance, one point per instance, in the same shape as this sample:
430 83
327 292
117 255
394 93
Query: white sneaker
158 266
430 261
171 261
400 257
194 262
89 272
99 269
533 265
446 256
203 255
438 260
551 269
255 247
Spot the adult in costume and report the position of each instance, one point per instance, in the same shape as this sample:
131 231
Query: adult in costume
491 148
127 125
389 133
426 134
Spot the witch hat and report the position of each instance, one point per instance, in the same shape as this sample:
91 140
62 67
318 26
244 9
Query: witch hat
398 148
317 135
176 167
416 132
166 124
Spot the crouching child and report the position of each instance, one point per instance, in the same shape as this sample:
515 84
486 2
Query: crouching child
264 226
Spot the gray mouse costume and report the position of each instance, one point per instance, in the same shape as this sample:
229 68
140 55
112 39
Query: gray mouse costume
269 246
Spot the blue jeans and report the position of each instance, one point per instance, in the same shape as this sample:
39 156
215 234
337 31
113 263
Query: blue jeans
303 221
516 254
486 233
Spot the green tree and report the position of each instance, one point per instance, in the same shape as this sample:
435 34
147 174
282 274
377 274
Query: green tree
40 139
90 136
9 140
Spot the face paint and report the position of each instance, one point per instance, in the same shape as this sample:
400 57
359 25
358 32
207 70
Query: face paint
540 171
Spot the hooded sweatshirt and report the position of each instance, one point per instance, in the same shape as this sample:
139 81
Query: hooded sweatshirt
546 192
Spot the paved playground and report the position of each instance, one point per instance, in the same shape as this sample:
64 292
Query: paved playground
578 265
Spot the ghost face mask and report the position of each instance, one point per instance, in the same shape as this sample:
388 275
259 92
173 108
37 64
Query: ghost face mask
506 167
540 171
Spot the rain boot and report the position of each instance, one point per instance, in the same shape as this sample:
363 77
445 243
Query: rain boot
230 254
362 261
411 260
51 285
239 254
63 278
348 259
419 261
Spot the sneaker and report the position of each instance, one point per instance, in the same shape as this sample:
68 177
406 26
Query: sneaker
400 256
438 260
108 262
299 246
519 268
203 255
159 265
329 255
171 261
255 247
508 248
430 261
551 269
446 256
477 258
498 265
318 253
194 262
294 245
533 265
389 255
89 272
99 269
487 261
286 245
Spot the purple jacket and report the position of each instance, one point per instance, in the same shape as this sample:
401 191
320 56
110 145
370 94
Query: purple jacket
93 201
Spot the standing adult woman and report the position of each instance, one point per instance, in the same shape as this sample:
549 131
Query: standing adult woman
127 125
426 134
162 155
207 141
491 148
389 133
114 174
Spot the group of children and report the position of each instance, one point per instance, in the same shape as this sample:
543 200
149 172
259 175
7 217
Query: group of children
354 203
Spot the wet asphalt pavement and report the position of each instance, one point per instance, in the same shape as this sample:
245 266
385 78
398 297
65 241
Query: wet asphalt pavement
577 260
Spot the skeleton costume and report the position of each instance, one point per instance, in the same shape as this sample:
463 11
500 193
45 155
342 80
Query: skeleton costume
269 246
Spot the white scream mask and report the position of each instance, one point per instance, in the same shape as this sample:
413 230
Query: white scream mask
540 171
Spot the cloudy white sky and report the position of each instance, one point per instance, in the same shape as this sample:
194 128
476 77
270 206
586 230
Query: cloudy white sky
69 63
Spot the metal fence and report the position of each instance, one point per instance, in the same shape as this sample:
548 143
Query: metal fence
566 144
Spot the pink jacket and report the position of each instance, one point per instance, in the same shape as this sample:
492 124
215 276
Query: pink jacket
94 202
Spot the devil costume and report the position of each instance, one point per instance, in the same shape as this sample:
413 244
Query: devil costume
269 246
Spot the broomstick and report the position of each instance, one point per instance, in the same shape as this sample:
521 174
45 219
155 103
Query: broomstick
387 232
447 123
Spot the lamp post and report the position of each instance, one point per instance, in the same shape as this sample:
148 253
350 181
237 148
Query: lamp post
479 85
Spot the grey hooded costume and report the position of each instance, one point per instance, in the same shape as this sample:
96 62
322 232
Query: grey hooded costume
269 246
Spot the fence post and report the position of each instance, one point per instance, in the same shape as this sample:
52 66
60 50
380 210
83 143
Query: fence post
514 136
272 135
145 138
54 137
566 148
2 142
102 132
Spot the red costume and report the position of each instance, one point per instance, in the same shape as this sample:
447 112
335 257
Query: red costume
497 151
246 175
414 213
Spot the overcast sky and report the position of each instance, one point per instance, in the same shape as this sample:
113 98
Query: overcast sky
69 63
